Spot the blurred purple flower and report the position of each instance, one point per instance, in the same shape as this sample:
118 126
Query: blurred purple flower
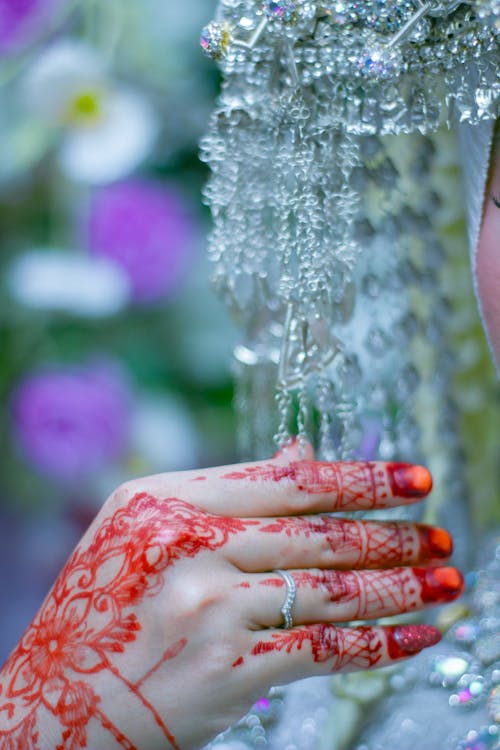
21 21
145 228
71 422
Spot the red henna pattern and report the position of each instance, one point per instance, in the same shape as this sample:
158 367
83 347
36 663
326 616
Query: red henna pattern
88 616
364 545
357 485
339 586
263 473
381 544
398 588
359 648
170 653
239 661
276 583
299 526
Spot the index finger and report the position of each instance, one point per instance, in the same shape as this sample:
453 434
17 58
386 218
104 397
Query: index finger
274 488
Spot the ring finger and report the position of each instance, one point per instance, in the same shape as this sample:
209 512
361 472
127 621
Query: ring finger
335 596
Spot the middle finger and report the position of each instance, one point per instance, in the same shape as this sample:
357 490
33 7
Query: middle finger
326 542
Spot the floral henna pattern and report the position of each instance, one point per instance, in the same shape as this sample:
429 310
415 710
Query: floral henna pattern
88 617
356 485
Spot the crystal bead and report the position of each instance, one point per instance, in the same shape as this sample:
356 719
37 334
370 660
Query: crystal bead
471 689
447 670
215 39
282 10
484 739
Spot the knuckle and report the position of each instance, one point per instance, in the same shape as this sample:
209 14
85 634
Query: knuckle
122 495
195 599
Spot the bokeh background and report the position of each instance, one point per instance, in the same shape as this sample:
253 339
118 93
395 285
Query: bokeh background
115 355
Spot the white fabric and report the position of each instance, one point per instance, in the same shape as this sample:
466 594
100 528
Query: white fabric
475 142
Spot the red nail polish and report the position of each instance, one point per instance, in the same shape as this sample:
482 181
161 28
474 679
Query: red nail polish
408 480
439 584
403 640
435 543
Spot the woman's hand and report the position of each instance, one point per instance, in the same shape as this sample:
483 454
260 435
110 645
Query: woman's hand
164 626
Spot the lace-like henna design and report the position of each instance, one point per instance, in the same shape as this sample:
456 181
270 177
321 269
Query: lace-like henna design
397 588
88 617
368 544
359 648
352 648
361 485
378 545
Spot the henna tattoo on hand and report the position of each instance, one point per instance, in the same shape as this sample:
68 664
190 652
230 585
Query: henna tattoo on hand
351 648
361 485
90 616
360 648
368 544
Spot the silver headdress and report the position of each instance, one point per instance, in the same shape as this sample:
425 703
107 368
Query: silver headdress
297 159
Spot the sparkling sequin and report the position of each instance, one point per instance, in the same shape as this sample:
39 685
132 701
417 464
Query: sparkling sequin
466 633
448 670
471 689
283 10
214 40
263 704
484 739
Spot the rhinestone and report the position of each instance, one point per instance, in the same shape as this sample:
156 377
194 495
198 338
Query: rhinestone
471 690
283 10
485 739
215 39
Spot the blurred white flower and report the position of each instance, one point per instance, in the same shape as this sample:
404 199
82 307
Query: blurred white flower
107 128
48 279
163 435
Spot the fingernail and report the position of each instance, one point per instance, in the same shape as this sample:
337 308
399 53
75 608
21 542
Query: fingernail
408 480
434 542
439 584
404 640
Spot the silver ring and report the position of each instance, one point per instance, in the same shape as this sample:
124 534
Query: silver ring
291 592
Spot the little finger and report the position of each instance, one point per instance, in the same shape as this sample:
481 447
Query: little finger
288 655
